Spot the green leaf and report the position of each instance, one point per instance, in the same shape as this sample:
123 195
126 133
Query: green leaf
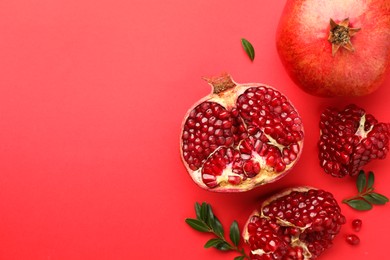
218 243
235 233
213 242
359 204
361 181
241 257
217 227
197 225
210 216
248 48
376 198
197 211
204 211
224 246
370 181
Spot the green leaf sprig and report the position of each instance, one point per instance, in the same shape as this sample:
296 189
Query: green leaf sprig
207 222
248 48
366 197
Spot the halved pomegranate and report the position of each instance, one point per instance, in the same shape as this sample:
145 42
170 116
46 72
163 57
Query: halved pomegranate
299 223
240 136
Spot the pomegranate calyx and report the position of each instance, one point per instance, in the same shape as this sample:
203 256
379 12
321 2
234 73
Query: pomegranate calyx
340 35
220 83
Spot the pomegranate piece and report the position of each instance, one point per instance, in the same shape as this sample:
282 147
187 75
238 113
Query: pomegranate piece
350 139
298 223
357 224
240 136
352 239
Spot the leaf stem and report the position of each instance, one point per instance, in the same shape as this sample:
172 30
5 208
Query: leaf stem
366 197
233 247
359 196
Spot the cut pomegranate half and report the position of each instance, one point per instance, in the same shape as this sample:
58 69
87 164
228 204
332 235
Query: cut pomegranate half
240 136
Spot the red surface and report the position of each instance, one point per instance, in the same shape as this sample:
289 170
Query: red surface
92 95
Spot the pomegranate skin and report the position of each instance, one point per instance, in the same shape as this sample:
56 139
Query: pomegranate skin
306 53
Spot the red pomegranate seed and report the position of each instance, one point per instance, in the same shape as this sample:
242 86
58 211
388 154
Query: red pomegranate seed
352 239
357 224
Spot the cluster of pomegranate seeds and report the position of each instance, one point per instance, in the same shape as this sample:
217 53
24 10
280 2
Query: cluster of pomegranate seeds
350 139
208 127
240 133
295 225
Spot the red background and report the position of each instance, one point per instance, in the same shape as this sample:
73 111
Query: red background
92 95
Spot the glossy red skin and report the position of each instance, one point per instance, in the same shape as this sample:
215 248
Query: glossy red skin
306 53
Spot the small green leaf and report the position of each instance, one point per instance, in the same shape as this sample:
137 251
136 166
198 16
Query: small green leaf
217 227
235 233
359 204
197 211
210 216
213 242
361 181
218 243
248 48
376 198
197 225
204 210
370 181
224 246
241 257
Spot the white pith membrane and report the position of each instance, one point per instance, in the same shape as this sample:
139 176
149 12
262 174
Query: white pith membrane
294 241
228 99
360 131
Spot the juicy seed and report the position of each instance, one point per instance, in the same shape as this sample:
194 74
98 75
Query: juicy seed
350 139
357 224
262 129
310 218
352 239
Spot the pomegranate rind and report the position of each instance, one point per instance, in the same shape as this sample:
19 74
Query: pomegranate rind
266 174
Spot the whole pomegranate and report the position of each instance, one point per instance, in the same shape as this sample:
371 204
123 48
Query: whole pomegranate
240 136
335 48
349 139
298 223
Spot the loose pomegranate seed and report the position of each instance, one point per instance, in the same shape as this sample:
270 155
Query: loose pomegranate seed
352 239
357 225
350 139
